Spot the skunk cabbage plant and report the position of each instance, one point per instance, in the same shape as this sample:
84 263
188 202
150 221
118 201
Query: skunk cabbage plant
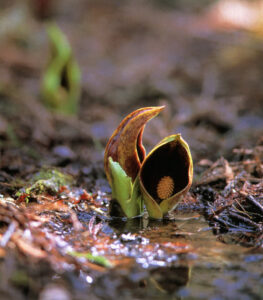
159 180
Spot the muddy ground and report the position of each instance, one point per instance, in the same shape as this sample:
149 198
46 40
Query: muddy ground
200 61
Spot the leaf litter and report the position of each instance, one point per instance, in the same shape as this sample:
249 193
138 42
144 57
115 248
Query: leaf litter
59 237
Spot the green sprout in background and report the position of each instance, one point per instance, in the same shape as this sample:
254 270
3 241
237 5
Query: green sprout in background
61 80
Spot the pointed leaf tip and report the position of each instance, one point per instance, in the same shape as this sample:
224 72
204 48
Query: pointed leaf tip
125 145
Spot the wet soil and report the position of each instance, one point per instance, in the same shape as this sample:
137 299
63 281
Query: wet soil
60 242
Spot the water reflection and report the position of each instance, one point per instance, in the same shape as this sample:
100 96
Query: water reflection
169 280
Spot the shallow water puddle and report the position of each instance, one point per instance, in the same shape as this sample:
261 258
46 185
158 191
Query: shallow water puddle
186 260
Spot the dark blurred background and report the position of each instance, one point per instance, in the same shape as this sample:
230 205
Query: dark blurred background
202 59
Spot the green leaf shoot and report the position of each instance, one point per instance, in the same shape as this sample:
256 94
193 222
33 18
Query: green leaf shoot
123 191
